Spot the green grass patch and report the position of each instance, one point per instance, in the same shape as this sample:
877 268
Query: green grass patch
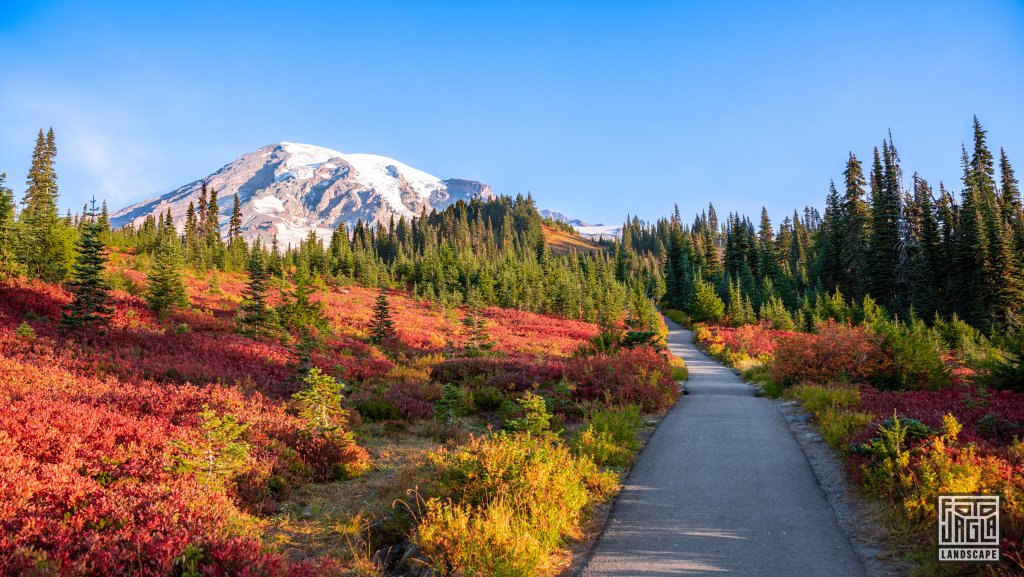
816 398
610 437
678 317
838 426
760 375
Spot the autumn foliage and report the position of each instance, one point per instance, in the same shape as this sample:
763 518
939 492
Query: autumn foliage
966 439
91 426
837 352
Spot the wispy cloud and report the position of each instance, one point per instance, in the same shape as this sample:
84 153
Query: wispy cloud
103 148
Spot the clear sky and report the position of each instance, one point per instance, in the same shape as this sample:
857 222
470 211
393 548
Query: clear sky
598 108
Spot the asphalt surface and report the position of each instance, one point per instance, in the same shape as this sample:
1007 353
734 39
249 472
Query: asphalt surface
722 488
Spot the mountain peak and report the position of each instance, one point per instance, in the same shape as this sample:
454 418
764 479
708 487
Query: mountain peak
290 189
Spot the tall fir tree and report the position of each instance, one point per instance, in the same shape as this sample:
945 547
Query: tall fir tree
235 225
201 209
854 230
104 219
47 242
1010 199
91 303
885 225
830 240
972 252
213 218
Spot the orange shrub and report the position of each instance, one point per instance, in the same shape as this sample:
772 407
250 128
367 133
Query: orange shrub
836 352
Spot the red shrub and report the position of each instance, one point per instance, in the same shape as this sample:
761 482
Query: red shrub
414 400
754 340
835 353
629 376
511 374
965 403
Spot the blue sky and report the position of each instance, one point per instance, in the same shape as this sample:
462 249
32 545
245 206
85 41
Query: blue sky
598 108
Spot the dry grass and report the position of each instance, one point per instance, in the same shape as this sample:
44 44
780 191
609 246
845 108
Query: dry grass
562 242
333 519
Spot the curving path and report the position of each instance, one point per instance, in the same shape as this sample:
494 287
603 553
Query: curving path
722 488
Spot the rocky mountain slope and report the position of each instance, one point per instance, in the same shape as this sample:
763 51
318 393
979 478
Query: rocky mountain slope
290 189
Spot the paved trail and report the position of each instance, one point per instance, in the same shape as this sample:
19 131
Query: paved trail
721 488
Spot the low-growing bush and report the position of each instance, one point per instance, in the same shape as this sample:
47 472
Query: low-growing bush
531 415
816 398
610 437
414 400
376 410
639 376
839 426
761 375
678 317
509 374
505 503
968 343
913 357
487 399
679 370
1006 372
837 353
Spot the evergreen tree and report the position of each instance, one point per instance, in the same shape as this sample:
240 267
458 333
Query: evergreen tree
298 313
1010 200
219 453
767 262
830 240
8 264
235 225
1007 285
1009 190
707 306
885 223
104 219
854 230
166 287
736 311
925 266
254 317
383 328
46 248
479 342
319 405
201 215
91 303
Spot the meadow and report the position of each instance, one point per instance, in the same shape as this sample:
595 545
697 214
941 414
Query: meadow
173 445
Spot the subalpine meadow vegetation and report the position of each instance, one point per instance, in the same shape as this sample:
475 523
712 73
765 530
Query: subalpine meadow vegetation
447 394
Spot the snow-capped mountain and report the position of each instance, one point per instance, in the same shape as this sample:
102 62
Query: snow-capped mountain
586 230
290 189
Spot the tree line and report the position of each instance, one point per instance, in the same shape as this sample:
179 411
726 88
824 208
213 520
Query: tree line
916 252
